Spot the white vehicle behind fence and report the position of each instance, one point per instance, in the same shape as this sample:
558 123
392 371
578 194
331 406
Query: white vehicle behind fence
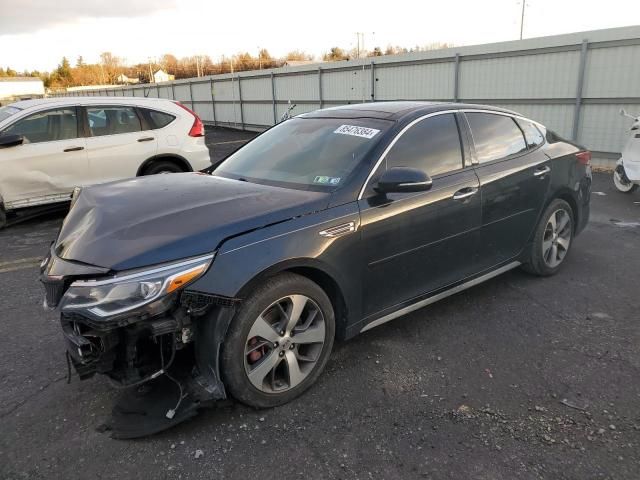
50 146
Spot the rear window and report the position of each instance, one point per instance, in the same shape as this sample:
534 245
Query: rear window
495 136
6 112
112 120
305 153
531 133
159 119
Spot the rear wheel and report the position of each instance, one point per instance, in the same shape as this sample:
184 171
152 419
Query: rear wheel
552 239
163 166
622 183
279 342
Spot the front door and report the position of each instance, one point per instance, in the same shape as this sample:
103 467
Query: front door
51 161
417 243
514 179
117 144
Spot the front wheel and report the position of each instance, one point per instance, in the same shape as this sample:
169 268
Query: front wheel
552 239
279 342
622 183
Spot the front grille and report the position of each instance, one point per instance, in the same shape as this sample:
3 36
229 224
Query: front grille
54 289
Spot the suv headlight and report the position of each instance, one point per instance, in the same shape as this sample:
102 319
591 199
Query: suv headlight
131 291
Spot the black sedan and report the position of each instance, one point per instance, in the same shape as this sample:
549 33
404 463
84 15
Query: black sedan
324 226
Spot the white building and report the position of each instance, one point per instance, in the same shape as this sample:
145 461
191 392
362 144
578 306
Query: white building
20 88
162 76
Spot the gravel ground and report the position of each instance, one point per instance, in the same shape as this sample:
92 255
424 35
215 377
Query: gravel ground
519 377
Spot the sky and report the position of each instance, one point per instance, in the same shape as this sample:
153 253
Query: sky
35 34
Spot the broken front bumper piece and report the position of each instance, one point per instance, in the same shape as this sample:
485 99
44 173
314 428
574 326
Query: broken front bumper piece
160 356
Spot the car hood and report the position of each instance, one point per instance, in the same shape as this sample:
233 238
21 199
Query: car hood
149 220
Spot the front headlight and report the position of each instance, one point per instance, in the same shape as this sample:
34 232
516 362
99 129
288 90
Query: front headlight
129 291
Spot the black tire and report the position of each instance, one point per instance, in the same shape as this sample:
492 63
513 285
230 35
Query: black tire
537 265
3 218
163 166
233 356
622 182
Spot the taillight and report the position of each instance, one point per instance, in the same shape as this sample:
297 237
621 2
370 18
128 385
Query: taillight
197 129
584 157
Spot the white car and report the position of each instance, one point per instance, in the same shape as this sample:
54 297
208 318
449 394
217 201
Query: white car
50 146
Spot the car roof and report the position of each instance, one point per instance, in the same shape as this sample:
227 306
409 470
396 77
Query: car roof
396 110
66 101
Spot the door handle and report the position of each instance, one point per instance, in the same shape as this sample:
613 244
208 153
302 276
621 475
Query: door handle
465 193
541 171
73 149
146 139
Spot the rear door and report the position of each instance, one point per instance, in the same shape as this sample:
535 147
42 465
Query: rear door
416 243
514 179
118 142
51 161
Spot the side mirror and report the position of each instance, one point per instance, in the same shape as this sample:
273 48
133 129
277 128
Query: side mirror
403 179
10 140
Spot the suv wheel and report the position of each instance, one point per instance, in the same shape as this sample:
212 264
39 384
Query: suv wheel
279 342
552 239
164 166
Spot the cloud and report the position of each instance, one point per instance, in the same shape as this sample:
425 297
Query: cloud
27 16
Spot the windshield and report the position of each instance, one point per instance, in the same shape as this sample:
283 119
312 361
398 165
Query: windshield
305 153
6 112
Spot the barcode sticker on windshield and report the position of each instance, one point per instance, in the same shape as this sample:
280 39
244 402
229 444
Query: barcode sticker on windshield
355 131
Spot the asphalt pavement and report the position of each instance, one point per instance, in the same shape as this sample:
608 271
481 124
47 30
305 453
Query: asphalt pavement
520 377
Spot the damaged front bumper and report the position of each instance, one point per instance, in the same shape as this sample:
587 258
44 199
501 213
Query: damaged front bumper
171 349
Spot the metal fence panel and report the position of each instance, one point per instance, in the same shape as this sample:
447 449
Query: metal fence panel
415 82
609 71
256 88
528 76
296 87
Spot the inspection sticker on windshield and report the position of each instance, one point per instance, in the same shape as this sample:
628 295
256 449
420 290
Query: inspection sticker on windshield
323 180
355 131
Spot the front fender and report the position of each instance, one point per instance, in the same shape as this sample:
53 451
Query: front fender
244 260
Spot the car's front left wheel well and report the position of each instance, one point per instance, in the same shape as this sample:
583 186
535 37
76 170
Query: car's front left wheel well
177 160
331 288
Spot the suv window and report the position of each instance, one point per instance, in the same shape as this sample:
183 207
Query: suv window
49 126
431 145
112 120
531 133
159 119
495 136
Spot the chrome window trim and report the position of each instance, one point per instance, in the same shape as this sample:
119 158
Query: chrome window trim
393 142
433 114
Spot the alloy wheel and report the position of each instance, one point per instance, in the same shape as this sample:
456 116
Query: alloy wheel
557 238
284 344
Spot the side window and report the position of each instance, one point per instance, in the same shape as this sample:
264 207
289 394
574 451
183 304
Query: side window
495 136
112 120
49 126
159 119
531 133
432 145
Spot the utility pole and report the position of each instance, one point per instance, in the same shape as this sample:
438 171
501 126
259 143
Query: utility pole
358 43
150 72
524 3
